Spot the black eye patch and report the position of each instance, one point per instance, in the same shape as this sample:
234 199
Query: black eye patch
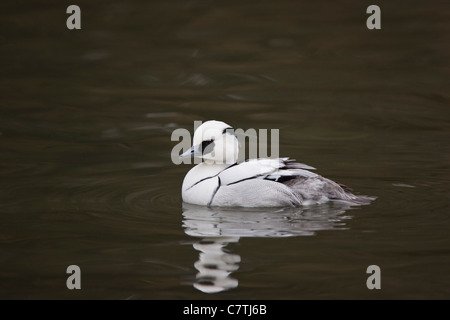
207 146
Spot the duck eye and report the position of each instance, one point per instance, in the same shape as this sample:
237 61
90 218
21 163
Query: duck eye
207 146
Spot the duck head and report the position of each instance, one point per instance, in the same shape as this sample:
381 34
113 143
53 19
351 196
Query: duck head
215 143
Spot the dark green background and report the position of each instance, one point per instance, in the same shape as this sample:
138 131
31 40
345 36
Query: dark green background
86 118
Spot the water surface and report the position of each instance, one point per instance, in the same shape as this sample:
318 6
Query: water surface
87 179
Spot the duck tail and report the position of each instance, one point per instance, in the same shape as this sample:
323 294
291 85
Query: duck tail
357 200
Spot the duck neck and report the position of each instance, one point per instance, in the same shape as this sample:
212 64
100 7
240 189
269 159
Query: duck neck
211 169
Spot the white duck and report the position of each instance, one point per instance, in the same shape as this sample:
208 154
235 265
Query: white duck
220 181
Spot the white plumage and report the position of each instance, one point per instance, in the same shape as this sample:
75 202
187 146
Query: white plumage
220 181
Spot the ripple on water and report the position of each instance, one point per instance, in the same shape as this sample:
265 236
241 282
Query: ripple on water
25 169
121 196
262 222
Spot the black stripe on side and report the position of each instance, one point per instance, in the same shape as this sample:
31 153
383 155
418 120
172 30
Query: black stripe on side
234 164
242 180
215 191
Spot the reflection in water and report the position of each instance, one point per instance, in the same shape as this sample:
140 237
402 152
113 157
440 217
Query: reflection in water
215 265
217 227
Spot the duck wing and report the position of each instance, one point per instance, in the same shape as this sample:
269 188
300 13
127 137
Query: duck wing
279 170
257 174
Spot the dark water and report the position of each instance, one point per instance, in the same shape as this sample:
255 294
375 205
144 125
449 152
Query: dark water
87 179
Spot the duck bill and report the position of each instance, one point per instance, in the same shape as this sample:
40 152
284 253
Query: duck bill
193 152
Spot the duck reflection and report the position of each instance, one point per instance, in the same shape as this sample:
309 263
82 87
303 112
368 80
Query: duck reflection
215 265
217 227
